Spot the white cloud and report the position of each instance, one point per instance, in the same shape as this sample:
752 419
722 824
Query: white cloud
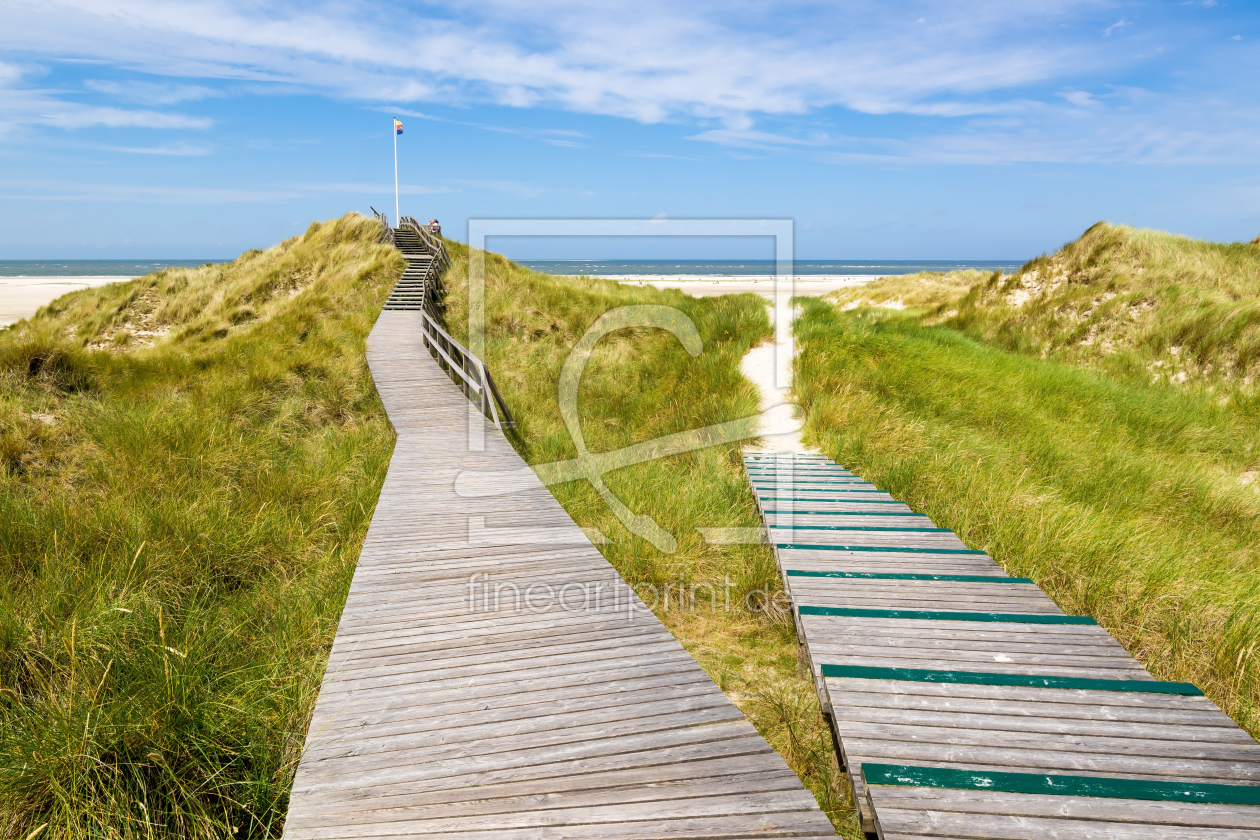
552 136
53 191
172 149
1120 24
150 93
9 73
39 107
647 60
515 188
148 194
986 77
1104 138
747 139
660 155
374 189
1081 99
21 105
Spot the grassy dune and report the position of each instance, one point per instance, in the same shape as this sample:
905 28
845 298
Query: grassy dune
1135 303
188 464
1077 461
180 511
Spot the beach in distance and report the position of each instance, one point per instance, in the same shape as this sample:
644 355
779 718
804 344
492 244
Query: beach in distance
27 285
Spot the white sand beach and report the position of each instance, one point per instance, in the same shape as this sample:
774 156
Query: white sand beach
22 297
699 285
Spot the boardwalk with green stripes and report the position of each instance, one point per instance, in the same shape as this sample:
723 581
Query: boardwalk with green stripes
966 704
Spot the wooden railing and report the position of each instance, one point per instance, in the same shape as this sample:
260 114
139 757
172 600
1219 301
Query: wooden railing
433 244
387 234
466 370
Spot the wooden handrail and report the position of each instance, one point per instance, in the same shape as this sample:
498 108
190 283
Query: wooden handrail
459 361
431 242
387 235
465 369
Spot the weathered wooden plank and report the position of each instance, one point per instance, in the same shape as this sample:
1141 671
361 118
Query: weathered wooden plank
492 675
921 657
1141 812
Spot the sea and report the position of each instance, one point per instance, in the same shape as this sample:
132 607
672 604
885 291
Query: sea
92 268
134 268
760 267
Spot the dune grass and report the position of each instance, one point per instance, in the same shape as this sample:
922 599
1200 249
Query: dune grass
189 464
1134 303
1127 500
923 291
180 511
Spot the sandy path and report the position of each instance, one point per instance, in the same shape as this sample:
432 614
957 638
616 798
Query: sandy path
22 297
769 365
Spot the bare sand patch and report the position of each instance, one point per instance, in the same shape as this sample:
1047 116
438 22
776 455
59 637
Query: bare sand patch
22 297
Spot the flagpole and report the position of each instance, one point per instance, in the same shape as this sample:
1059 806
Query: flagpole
393 129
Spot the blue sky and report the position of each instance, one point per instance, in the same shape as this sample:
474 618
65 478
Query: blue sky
966 129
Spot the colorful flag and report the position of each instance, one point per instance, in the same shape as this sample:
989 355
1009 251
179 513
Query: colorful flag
397 127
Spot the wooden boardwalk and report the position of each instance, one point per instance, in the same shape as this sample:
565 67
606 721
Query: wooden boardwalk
566 710
963 701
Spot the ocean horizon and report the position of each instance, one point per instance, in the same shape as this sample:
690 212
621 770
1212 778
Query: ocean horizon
133 268
761 267
93 268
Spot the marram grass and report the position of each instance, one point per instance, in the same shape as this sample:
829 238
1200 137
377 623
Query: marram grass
1125 500
178 528
1133 303
188 465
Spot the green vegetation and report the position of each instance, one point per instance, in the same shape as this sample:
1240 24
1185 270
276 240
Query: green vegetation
1039 426
641 384
1135 303
188 463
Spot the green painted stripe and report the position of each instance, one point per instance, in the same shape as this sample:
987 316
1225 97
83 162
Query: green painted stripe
802 547
867 492
837 502
803 465
787 465
840 479
1047 784
843 512
860 528
831 488
839 473
773 470
809 486
953 615
843 479
796 456
862 672
880 576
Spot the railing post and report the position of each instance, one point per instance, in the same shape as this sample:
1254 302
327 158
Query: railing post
488 407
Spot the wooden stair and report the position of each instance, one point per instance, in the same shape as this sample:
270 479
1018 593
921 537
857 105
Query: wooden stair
409 293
